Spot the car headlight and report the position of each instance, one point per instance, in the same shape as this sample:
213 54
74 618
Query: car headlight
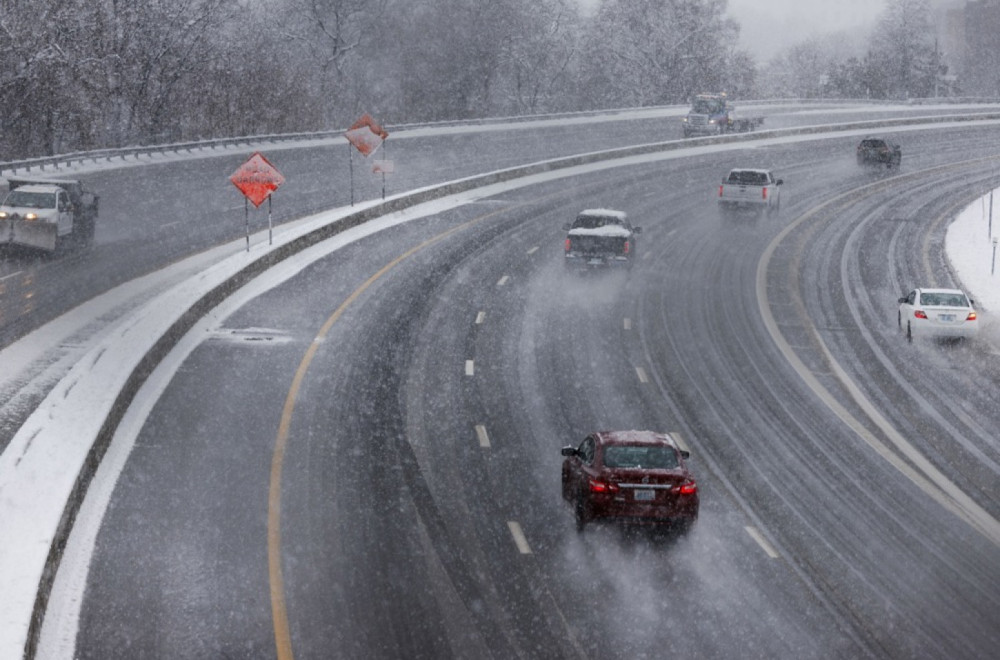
711 121
4 215
31 216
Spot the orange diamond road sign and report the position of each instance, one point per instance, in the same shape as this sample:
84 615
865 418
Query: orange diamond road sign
257 178
366 135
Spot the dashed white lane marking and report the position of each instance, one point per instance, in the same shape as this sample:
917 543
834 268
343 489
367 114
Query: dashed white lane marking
519 539
643 378
470 368
679 440
533 250
7 277
480 317
503 280
628 324
484 439
762 542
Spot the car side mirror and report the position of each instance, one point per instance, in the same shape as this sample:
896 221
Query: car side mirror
685 454
567 226
637 230
778 182
904 299
568 451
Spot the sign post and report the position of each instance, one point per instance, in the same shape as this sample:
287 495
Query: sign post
257 178
383 167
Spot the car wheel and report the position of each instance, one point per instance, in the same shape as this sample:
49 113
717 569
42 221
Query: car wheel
899 320
909 333
684 526
580 513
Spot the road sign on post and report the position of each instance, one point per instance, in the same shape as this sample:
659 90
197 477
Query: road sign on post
257 178
366 136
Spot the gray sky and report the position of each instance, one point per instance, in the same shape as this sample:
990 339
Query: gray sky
769 26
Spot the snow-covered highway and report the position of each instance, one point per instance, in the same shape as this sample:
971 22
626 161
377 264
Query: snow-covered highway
683 216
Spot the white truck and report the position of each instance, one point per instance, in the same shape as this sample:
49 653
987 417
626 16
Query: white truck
752 189
47 214
713 114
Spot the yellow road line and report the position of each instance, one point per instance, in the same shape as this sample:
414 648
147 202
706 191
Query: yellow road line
279 612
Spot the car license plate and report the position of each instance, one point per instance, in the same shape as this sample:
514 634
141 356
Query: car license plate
644 495
946 318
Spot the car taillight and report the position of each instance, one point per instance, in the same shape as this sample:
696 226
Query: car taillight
763 192
598 486
567 244
971 317
920 314
720 191
688 488
628 247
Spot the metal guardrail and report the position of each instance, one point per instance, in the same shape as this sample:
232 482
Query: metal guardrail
123 153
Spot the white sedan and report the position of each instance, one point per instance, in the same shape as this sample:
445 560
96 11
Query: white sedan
937 313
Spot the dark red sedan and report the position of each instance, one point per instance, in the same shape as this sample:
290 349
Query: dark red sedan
634 477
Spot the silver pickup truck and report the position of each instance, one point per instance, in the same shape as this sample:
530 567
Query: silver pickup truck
750 189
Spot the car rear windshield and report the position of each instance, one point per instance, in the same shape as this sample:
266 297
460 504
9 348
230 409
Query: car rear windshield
748 178
943 300
595 221
655 458
873 144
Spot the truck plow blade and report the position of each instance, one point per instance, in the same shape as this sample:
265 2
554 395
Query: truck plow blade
38 235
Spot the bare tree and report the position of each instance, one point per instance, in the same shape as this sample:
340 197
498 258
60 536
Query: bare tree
328 34
643 52
902 46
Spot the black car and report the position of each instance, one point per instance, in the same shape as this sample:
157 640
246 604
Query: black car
879 152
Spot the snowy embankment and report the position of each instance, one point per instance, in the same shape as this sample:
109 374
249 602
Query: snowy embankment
972 253
51 459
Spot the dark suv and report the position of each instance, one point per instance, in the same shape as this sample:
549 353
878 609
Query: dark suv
879 152
632 477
